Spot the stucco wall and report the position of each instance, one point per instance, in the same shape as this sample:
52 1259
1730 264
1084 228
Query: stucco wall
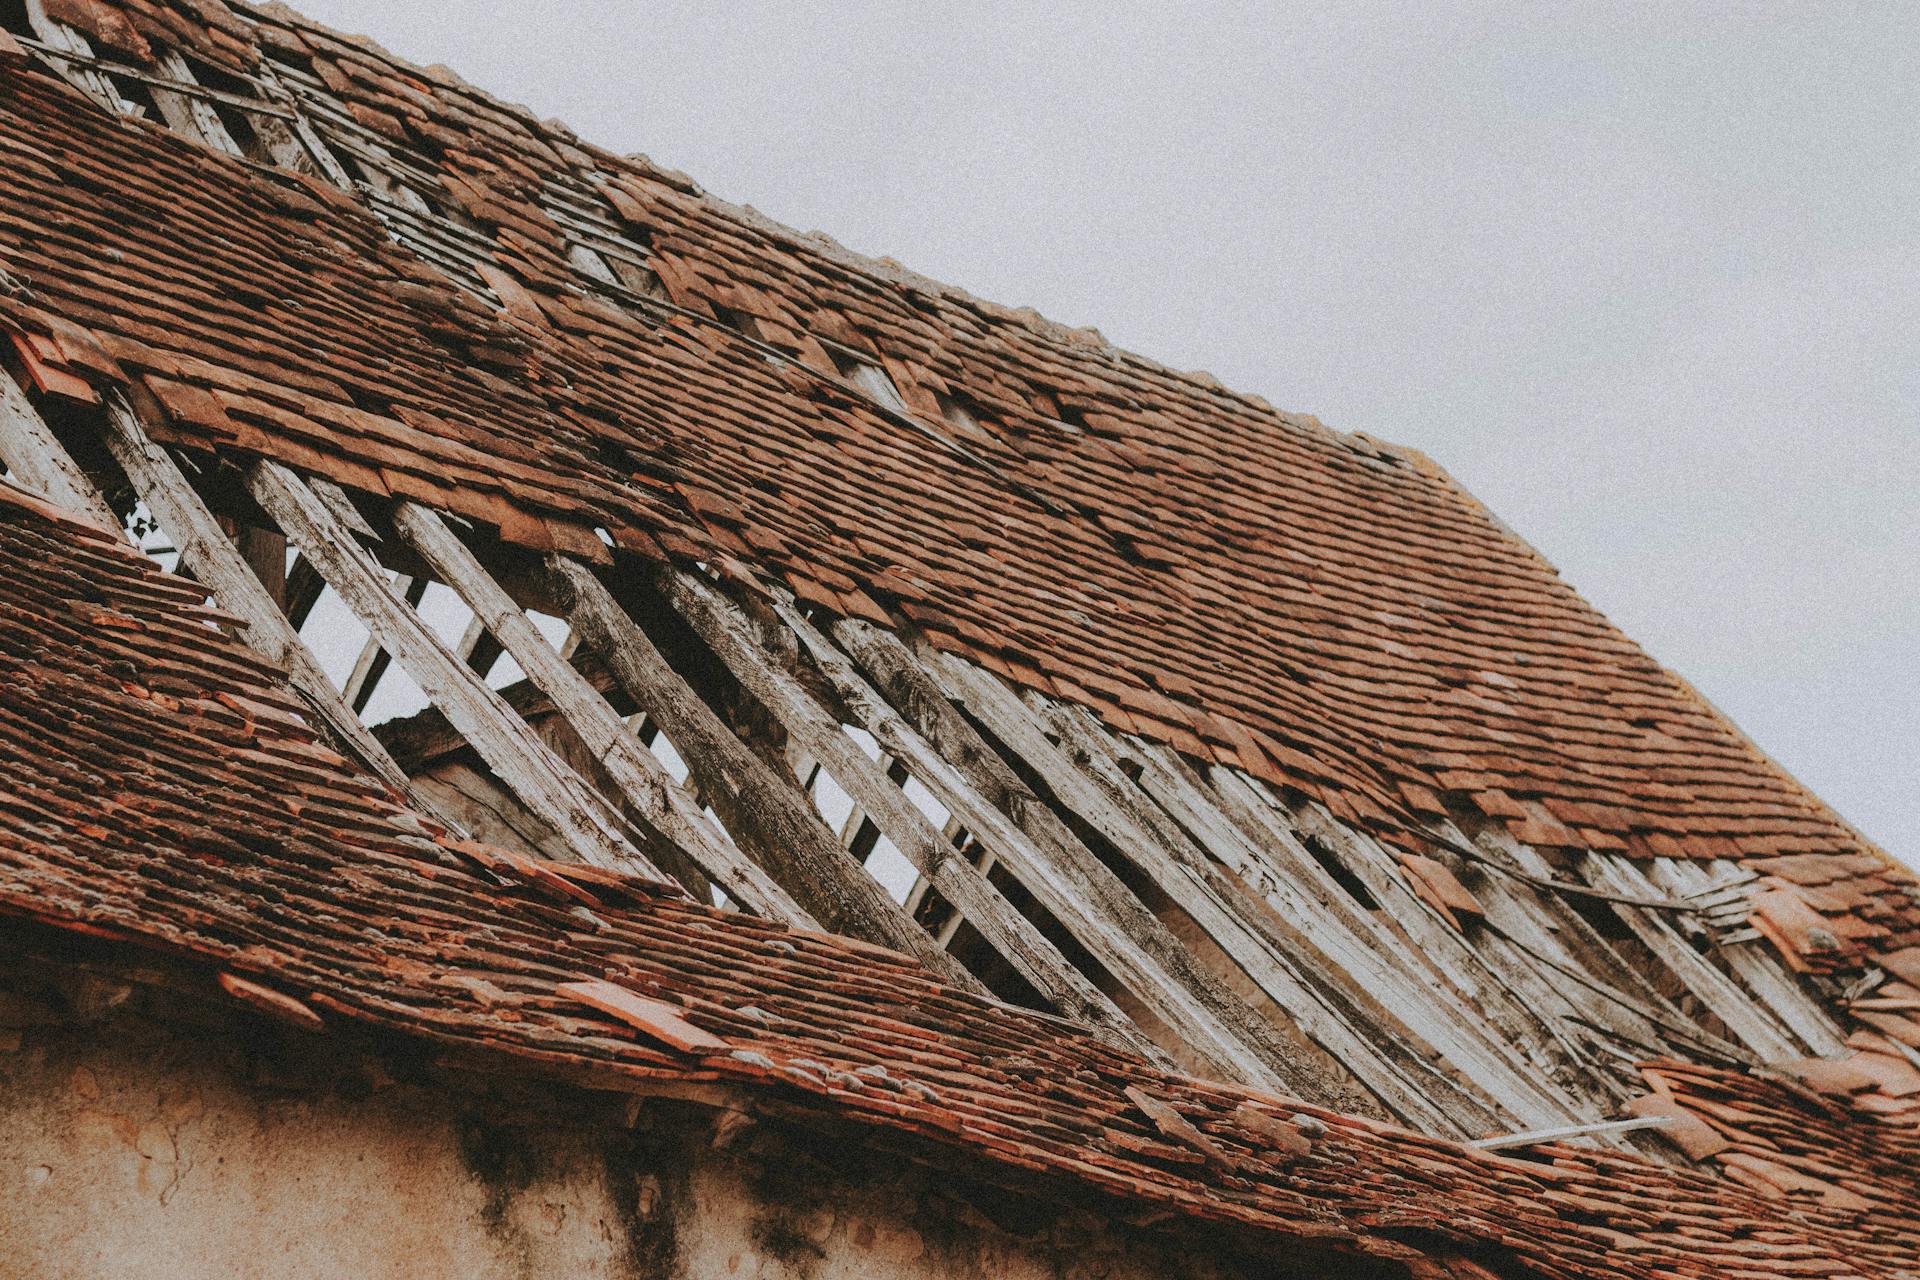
148 1138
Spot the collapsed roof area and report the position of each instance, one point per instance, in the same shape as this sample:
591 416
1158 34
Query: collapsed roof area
817 682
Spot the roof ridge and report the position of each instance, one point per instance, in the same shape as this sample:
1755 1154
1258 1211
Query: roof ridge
881 267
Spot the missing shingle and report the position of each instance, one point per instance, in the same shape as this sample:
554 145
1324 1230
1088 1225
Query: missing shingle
734 320
1331 863
370 402
867 376
290 60
616 456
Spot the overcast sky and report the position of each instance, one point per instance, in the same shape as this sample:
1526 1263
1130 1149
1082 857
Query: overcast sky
1646 278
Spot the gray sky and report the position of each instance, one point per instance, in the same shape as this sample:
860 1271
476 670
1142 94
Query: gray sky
1644 277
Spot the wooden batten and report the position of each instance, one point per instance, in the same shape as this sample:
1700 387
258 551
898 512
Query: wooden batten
817 732
204 546
511 749
1508 998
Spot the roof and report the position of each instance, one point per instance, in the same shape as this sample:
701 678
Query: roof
1324 610
587 353
161 791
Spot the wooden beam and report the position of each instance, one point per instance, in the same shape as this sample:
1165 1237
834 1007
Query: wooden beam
1460 1035
1755 963
36 460
196 531
265 552
812 730
480 650
858 833
517 756
1743 1016
766 812
968 776
59 38
658 801
188 113
1278 955
1508 999
1551 928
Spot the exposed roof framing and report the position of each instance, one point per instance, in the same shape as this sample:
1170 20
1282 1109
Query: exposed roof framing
509 964
1102 834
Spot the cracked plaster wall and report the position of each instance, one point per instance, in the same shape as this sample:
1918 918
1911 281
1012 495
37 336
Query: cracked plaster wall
141 1137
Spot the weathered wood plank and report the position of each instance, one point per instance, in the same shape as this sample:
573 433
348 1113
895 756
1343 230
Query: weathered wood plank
658 801
188 114
1282 961
1603 1128
36 460
1548 933
544 784
817 733
1755 1027
1607 992
303 591
204 545
1374 1018
1525 1010
1756 965
1459 1033
978 787
58 36
490 812
648 789
265 552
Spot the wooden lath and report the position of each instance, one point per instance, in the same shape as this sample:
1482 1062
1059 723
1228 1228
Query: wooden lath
812 727
520 759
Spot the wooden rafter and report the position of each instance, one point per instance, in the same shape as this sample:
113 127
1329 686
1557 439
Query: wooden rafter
38 461
660 802
1104 916
204 545
548 788
730 636
766 813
